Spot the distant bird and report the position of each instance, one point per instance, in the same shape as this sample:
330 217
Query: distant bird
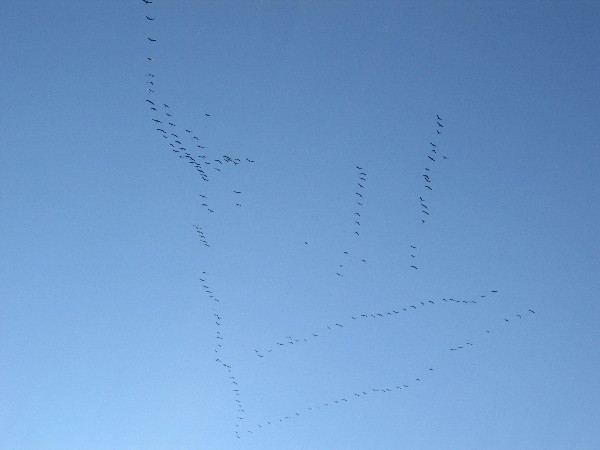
165 105
358 194
235 192
249 160
494 291
151 40
433 144
428 187
150 101
438 131
207 115
357 214
414 267
160 129
430 158
439 118
150 18
440 124
147 2
412 246
532 311
359 168
157 121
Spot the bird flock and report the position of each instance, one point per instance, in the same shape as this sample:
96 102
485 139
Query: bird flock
186 144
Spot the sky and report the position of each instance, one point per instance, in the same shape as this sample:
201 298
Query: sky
249 283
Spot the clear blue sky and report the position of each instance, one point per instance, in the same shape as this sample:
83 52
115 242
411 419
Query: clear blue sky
108 339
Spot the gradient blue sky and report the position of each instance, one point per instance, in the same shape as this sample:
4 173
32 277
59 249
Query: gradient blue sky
107 337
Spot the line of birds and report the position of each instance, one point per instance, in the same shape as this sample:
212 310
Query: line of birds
361 393
357 217
218 350
433 156
337 326
187 146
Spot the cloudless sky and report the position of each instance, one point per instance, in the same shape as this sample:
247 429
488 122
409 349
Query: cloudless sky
108 337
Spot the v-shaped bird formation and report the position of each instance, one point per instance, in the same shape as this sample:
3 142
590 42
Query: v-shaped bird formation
187 145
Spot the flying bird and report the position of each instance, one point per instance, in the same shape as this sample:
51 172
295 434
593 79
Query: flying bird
439 118
151 40
150 18
440 124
